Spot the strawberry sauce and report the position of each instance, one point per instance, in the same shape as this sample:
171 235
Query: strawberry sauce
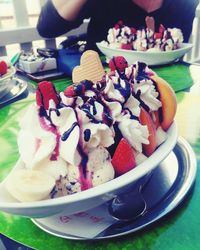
53 130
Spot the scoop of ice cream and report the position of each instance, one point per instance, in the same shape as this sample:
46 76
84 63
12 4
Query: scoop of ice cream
143 88
68 128
99 164
134 132
99 171
176 34
40 143
147 92
110 90
132 105
117 89
141 43
112 35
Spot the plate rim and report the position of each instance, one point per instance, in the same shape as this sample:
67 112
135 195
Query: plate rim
11 71
25 86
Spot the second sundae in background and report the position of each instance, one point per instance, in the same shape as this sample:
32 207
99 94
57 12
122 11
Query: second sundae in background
92 132
145 39
3 68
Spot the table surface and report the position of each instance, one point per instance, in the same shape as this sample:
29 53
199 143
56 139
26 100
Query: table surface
178 230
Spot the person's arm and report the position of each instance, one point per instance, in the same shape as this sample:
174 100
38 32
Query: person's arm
69 9
56 19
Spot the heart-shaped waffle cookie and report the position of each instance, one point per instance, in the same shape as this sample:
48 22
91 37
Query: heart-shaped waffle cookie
90 68
150 23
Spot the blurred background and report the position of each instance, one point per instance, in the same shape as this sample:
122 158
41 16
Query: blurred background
18 19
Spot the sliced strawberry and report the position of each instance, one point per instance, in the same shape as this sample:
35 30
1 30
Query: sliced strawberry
3 67
133 30
123 159
127 46
117 26
118 63
157 35
46 92
145 119
70 91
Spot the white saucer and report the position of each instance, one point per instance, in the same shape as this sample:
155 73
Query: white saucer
5 81
14 89
11 71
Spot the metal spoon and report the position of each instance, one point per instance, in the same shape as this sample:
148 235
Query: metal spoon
131 204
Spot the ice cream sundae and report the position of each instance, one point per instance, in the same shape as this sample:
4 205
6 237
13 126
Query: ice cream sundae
3 68
32 62
92 132
146 39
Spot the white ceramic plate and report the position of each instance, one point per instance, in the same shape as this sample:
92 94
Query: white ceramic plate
90 198
150 58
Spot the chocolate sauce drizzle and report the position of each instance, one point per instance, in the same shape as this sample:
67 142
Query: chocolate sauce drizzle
66 134
87 134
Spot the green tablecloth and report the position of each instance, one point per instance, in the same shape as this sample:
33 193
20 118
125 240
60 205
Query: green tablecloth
178 76
179 230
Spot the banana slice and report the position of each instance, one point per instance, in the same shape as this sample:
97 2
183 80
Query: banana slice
29 185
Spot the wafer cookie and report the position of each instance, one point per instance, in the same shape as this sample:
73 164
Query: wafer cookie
90 68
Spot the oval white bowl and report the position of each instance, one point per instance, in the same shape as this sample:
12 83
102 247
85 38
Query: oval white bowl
90 198
151 58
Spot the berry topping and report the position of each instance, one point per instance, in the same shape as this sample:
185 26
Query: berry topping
70 91
117 26
118 63
3 67
123 159
157 35
127 46
133 30
79 89
46 92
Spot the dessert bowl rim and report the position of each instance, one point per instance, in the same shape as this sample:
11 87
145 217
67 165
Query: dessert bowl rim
183 46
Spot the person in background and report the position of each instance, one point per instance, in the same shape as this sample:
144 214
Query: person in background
60 16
